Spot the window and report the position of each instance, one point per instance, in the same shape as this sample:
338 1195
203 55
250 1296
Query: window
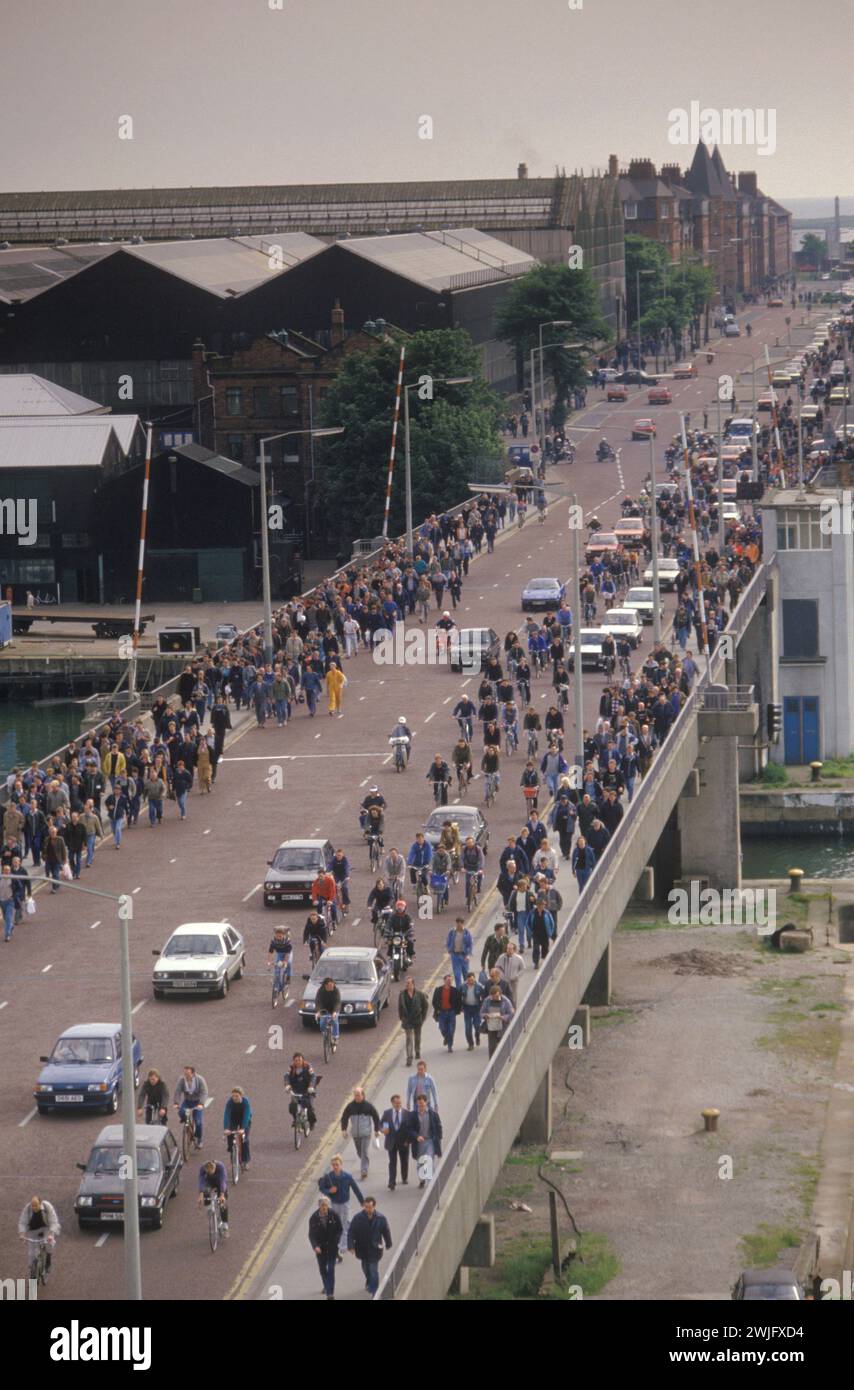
234 400
665 208
75 540
630 211
800 529
800 627
234 447
289 402
264 403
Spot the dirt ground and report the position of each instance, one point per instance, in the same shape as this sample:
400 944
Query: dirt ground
700 1017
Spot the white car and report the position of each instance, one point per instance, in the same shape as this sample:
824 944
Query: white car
732 330
640 599
623 622
668 573
199 958
730 511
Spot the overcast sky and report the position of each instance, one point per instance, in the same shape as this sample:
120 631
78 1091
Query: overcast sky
237 92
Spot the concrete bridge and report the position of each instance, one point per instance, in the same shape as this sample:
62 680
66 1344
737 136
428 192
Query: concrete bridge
682 824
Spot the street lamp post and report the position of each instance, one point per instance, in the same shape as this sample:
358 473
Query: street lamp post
578 681
549 323
444 381
653 540
265 538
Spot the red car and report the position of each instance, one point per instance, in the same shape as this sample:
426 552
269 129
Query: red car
643 429
616 392
683 371
659 395
775 303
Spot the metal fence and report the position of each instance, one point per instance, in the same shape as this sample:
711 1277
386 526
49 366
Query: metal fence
453 1152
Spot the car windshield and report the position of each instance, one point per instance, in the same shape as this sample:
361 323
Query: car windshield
344 971
297 859
754 1292
106 1158
97 1050
543 584
589 635
465 822
619 616
603 538
194 946
639 596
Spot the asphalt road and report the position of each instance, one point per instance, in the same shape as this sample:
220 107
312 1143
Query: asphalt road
62 965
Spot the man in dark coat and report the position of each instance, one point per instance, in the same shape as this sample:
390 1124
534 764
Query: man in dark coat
324 1233
368 1233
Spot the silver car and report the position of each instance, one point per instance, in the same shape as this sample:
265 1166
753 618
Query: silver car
362 976
542 593
641 600
623 622
199 958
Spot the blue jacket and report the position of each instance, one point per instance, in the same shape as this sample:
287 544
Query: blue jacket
420 855
344 1182
468 943
245 1115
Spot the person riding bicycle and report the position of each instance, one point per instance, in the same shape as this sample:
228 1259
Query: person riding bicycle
402 730
461 756
323 890
238 1115
379 898
419 859
213 1179
440 867
471 859
466 709
440 775
624 655
395 866
449 839
191 1093
510 720
280 951
374 824
315 936
400 923
609 653
39 1221
300 1080
603 450
373 798
491 760
523 680
153 1098
327 1002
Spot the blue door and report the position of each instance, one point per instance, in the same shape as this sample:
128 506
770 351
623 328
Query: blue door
800 729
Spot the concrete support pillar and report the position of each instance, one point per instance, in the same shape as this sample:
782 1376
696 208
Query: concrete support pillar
581 1020
461 1281
598 992
537 1124
709 826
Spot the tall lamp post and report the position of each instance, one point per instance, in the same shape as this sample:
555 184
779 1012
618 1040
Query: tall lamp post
541 433
265 539
638 274
444 381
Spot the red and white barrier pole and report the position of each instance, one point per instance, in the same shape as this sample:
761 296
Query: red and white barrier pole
393 442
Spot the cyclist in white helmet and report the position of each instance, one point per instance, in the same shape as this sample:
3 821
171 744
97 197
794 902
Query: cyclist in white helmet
402 730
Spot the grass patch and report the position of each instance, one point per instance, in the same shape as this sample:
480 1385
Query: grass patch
761 1249
838 767
513 1189
827 1008
773 775
526 1158
649 924
612 1016
523 1263
808 1173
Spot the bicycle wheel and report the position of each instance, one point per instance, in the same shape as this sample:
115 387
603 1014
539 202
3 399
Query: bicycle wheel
213 1224
187 1138
374 856
297 1129
235 1159
276 991
327 1044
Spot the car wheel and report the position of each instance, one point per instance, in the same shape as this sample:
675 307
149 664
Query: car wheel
158 993
308 1023
375 1019
157 1223
113 1103
43 1109
240 969
174 1192
223 989
81 1223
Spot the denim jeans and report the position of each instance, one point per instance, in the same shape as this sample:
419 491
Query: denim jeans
342 1211
326 1264
471 1018
197 1117
36 847
582 876
90 848
311 700
447 1026
281 713
181 798
371 1271
118 826
54 871
74 858
521 928
8 919
155 811
459 965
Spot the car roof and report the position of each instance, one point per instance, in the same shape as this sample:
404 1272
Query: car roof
187 928
349 952
145 1134
91 1030
778 1275
303 844
449 813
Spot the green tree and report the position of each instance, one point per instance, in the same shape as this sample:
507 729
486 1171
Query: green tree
554 292
450 434
813 251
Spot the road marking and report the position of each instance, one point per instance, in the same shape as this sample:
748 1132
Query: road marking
447 700
356 921
317 736
295 757
388 759
290 1003
95 924
173 861
250 1049
137 1007
209 1101
238 803
250 893
27 1118
5 1004
465 683
138 890
429 717
362 697
46 968
204 832
102 1240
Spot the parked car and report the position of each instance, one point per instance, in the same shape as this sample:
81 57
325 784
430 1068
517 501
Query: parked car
640 600
668 573
100 1196
591 650
542 593
683 371
623 622
293 869
469 819
659 395
472 648
840 395
362 976
85 1071
226 632
643 429
778 1285
200 958
616 392
632 377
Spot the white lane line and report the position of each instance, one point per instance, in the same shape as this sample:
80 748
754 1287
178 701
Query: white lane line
27 1118
238 803
138 890
465 683
250 1049
102 1240
362 697
447 700
429 717
356 921
46 968
388 759
5 1004
95 924
317 736
364 782
295 757
137 1007
250 893
204 832
209 1101
290 1003
315 830
173 861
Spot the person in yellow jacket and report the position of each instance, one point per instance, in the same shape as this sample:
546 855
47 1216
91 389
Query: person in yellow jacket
114 764
335 682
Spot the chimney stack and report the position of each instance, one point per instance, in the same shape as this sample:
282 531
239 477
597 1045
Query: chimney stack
336 335
522 171
641 169
613 167
671 173
747 184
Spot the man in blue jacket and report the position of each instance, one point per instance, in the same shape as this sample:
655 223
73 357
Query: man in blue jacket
369 1231
337 1185
459 946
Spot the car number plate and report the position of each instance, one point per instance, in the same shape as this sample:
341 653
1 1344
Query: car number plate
65 1099
293 897
112 1215
184 984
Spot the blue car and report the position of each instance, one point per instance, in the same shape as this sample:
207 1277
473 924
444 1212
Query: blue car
84 1071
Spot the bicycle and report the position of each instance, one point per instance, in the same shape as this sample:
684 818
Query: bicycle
490 787
155 1114
215 1222
463 777
511 740
324 907
474 880
399 747
315 950
439 888
375 847
188 1133
330 1041
563 697
234 1140
440 793
281 981
533 743
466 726
301 1123
38 1252
380 920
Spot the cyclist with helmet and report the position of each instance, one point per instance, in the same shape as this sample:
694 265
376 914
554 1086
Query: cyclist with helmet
401 922
402 730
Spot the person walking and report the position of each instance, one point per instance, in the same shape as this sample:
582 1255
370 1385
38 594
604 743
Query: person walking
363 1121
494 947
369 1232
459 946
496 1012
425 1135
55 857
447 1003
510 967
583 861
182 781
336 1186
324 1237
7 901
394 1124
542 926
472 996
335 682
204 764
412 1009
421 1084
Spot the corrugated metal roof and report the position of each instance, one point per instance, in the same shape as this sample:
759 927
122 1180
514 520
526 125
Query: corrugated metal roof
124 427
27 271
437 259
197 453
223 264
24 393
55 443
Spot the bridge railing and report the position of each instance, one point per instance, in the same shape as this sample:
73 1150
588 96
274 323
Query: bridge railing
407 1248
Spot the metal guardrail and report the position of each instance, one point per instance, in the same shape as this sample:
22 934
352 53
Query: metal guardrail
453 1152
718 698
